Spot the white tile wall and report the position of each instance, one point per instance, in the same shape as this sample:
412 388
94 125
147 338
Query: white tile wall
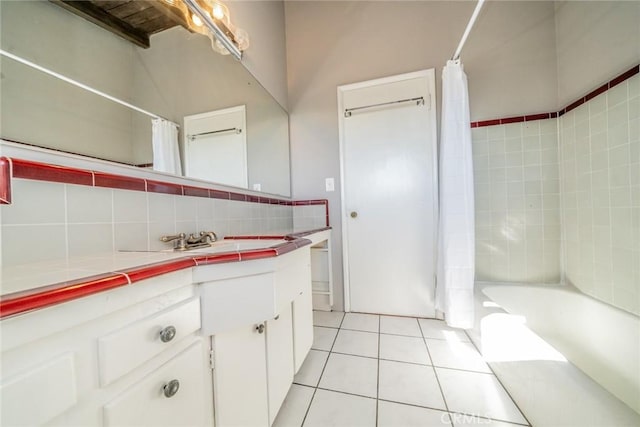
517 202
52 221
309 217
600 175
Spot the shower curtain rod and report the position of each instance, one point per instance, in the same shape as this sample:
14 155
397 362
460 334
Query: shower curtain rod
82 85
467 30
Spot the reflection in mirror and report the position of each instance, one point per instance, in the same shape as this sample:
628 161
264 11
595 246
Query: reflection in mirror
179 76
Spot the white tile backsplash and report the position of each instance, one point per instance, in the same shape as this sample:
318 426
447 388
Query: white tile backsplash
89 239
35 202
32 243
89 204
80 220
130 206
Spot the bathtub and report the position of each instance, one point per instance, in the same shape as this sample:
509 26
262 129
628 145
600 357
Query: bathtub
566 358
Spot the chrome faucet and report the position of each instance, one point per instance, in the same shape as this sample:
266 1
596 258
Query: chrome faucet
183 243
180 241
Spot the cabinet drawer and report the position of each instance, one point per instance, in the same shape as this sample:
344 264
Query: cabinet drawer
129 347
38 395
147 403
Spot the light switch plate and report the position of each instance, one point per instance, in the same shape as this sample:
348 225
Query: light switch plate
329 184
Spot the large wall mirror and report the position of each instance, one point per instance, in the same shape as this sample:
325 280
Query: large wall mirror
178 76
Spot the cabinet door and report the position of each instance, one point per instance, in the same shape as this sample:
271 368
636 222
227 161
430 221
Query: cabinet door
279 359
240 378
151 402
302 327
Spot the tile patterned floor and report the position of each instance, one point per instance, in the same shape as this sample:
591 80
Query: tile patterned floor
370 370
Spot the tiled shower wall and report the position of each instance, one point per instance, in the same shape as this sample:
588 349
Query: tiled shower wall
52 221
517 202
600 175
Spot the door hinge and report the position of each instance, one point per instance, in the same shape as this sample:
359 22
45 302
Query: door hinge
211 360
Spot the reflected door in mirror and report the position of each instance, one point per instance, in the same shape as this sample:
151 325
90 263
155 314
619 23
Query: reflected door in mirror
215 146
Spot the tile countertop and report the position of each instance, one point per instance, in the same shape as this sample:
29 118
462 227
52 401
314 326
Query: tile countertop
31 286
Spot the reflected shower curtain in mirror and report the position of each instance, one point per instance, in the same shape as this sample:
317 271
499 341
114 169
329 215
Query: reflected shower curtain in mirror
456 230
166 155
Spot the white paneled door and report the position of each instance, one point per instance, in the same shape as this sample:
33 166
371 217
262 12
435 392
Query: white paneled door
215 146
389 194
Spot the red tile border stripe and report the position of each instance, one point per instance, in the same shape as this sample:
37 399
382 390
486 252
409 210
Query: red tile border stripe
28 169
575 104
164 187
5 181
187 190
119 181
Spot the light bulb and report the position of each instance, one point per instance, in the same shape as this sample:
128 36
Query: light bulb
196 20
218 11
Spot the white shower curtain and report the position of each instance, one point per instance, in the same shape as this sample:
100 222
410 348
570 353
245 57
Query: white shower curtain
166 155
456 234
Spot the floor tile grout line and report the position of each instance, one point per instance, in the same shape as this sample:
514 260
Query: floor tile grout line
418 406
500 382
377 398
346 392
406 362
321 373
435 373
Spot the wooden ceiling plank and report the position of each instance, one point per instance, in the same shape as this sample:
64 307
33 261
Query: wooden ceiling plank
129 9
171 12
158 24
98 16
109 4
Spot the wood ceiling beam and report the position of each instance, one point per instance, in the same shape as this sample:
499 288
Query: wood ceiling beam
173 13
94 14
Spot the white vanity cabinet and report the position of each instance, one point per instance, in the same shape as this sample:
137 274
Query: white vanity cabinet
172 395
101 360
262 328
252 371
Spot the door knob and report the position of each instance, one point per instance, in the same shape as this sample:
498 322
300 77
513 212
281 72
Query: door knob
353 214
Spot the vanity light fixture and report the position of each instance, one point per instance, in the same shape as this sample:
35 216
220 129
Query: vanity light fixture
211 18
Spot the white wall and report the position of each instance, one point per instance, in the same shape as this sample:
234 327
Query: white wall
596 41
266 57
510 61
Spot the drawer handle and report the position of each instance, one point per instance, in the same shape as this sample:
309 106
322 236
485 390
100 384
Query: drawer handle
171 388
260 328
167 334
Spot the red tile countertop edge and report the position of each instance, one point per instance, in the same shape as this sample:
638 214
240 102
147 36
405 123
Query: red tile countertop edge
575 104
5 181
21 302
